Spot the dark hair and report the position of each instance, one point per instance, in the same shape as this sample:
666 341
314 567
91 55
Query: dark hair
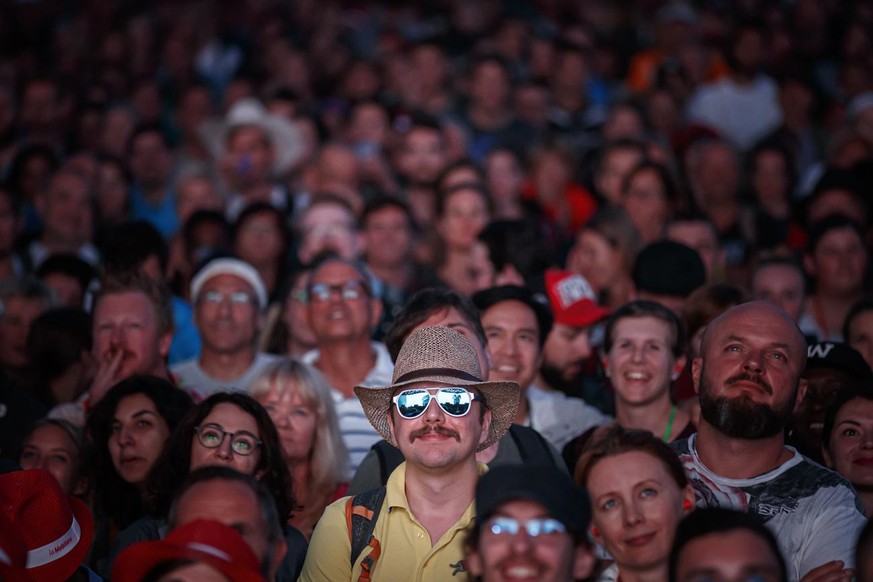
457 165
382 202
862 306
329 256
266 502
673 194
612 440
129 244
69 265
19 161
643 308
115 499
255 209
443 195
143 129
56 341
485 299
202 217
831 222
713 520
172 468
841 398
520 243
422 305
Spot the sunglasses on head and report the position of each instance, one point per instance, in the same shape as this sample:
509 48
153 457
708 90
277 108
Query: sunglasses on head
454 401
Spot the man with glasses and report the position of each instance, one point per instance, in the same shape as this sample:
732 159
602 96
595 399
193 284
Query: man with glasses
531 524
229 298
439 412
342 313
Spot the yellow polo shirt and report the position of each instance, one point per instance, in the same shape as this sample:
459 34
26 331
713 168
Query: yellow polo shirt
406 549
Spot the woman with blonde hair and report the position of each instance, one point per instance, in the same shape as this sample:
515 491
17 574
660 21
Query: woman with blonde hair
300 403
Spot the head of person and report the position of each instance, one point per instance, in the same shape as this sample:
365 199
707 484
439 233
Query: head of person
228 429
295 316
10 220
329 223
203 549
518 250
249 154
748 374
239 501
136 245
66 210
831 367
838 191
836 256
771 174
704 305
490 82
56 446
299 401
260 236
781 282
150 156
388 230
643 352
605 249
421 157
668 272
576 314
127 431
616 160
228 296
530 519
22 300
111 189
517 323
341 303
639 492
196 192
435 306
133 314
45 518
715 543
847 435
713 170
858 329
462 212
469 415
68 276
699 233
650 196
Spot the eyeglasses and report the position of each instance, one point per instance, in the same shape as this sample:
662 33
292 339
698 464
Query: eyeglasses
507 526
454 401
235 298
347 290
241 443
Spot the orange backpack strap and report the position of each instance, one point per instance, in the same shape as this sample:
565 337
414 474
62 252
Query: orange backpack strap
362 511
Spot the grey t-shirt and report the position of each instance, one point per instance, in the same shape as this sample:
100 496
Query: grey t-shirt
194 380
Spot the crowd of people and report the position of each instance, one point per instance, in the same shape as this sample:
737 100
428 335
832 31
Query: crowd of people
480 289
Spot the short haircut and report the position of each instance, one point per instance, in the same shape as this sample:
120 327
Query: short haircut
818 230
26 287
612 440
443 195
130 244
382 202
862 306
713 520
146 128
68 265
777 261
322 259
421 306
643 308
137 282
323 198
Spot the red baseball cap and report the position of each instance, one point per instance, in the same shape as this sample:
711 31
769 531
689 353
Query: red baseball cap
573 301
202 540
56 529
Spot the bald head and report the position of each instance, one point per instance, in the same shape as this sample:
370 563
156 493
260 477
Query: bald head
763 314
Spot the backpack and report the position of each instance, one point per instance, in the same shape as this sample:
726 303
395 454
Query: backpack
362 511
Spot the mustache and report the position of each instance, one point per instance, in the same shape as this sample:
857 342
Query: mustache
435 429
746 377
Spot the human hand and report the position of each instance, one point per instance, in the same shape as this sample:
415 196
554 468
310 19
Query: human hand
834 571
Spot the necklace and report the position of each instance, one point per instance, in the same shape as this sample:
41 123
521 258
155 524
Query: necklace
669 430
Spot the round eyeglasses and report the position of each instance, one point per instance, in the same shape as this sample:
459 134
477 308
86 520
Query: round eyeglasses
212 436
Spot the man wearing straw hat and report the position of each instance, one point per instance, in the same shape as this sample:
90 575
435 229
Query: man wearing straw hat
418 529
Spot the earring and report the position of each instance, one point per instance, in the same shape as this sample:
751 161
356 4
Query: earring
686 505
595 532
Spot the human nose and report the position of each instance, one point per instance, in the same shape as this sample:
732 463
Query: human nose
433 412
124 436
224 451
522 542
632 513
752 362
636 355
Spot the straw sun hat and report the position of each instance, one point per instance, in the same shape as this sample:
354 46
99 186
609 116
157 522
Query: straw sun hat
439 354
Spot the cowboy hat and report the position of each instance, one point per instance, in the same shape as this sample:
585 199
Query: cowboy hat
439 354
285 137
203 540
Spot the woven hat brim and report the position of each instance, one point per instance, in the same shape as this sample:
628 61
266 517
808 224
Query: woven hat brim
502 399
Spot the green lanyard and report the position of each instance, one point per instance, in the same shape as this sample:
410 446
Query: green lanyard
669 430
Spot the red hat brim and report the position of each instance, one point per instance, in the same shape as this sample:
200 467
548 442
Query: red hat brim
64 567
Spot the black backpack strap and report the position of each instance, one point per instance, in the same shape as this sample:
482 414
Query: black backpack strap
531 444
362 511
389 457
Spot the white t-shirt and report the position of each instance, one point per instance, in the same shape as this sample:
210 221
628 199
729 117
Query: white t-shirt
813 512
560 418
199 385
358 434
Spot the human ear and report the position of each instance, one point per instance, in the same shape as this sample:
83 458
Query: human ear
583 561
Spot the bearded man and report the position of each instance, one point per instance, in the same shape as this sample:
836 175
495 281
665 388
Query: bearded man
748 377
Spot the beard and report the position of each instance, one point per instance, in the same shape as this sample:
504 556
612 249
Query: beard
741 417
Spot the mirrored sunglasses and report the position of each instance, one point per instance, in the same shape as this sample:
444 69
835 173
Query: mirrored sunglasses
454 401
